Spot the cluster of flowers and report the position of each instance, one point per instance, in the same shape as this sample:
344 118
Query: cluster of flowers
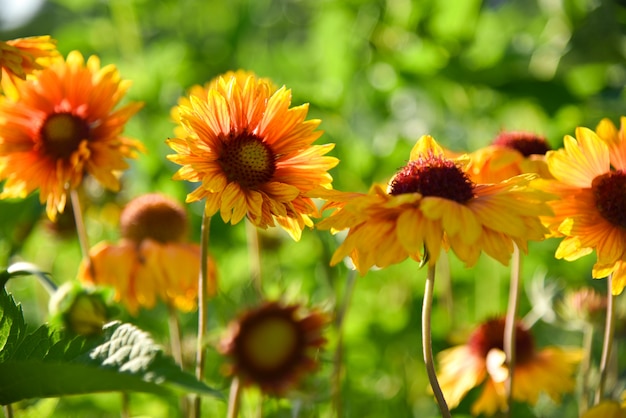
252 155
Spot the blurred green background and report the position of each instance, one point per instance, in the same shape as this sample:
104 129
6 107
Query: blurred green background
379 74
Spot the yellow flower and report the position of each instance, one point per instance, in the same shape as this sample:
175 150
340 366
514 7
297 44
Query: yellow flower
252 154
152 260
482 360
590 212
62 127
274 346
509 155
21 57
606 409
432 203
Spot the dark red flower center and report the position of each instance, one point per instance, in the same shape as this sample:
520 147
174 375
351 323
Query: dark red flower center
490 335
609 191
62 133
154 216
247 160
433 176
525 142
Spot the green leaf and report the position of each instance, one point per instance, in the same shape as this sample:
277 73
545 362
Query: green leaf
12 326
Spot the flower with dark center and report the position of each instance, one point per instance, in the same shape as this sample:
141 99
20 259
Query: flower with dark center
274 346
152 261
589 205
62 126
252 153
482 362
431 203
21 57
525 143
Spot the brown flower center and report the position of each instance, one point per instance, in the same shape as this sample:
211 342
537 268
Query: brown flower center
153 216
247 160
271 343
609 191
490 335
433 176
525 142
62 133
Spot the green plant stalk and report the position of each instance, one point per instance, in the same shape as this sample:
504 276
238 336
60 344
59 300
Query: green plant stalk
609 332
81 231
202 306
254 252
177 351
509 325
585 367
427 342
234 398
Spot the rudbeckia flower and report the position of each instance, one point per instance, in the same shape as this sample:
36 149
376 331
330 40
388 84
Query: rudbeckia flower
63 126
432 203
607 409
482 362
21 57
273 346
251 152
510 154
590 209
152 260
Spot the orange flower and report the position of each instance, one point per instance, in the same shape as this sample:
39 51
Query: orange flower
152 260
590 212
432 203
62 127
482 360
252 153
21 57
274 346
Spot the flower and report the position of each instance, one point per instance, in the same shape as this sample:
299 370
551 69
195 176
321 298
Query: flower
274 345
82 310
482 360
432 203
252 153
21 57
510 154
62 127
583 307
607 409
152 259
590 199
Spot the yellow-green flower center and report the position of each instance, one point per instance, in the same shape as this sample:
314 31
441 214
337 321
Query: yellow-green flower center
247 160
433 176
62 133
490 335
153 216
525 143
271 343
609 191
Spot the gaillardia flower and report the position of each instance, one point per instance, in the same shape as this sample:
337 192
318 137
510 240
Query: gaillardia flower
510 154
482 361
274 346
152 259
590 209
21 57
251 152
432 203
63 126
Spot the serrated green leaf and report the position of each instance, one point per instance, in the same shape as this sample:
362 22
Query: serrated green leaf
34 345
12 326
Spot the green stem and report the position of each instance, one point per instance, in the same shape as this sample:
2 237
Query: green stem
254 252
177 351
81 231
234 398
125 413
427 342
609 332
8 411
509 325
585 367
202 305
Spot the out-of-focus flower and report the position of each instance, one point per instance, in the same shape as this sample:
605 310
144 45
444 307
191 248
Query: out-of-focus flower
583 306
482 362
82 310
274 346
252 153
152 260
432 203
606 409
21 57
63 126
590 204
510 154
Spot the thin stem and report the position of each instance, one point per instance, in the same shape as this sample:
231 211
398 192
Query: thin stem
254 252
8 411
202 305
509 325
609 331
125 412
585 367
81 231
338 357
177 351
234 398
427 342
